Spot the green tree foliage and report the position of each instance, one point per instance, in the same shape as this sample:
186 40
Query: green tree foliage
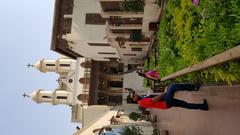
189 34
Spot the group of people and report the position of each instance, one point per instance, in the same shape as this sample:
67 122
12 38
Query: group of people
165 100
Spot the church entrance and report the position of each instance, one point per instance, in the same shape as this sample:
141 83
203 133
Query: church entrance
118 84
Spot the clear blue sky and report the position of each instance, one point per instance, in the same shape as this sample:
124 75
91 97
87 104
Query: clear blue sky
26 27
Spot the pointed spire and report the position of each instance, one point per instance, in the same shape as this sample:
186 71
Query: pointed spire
37 64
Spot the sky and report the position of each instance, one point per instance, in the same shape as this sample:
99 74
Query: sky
26 27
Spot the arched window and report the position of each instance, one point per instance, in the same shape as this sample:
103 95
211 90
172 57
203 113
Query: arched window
86 64
81 97
84 80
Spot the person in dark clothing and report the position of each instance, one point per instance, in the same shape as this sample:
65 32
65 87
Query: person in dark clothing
166 99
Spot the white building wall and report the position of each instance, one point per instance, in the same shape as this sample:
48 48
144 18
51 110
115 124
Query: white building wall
82 34
128 50
98 123
78 87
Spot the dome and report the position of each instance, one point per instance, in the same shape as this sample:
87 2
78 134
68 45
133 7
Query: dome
34 96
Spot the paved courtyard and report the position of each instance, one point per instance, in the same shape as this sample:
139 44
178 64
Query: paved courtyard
223 118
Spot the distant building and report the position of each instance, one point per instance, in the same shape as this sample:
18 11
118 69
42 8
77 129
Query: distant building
121 26
97 38
83 84
92 90
79 30
128 31
73 88
101 30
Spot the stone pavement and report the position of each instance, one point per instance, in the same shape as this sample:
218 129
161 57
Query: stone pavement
133 80
223 118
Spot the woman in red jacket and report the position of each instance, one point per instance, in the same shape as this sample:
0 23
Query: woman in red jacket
166 99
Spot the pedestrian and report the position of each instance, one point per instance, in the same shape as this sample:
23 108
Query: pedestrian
166 99
149 74
128 89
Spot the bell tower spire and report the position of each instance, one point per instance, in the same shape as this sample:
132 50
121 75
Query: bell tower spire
53 97
61 65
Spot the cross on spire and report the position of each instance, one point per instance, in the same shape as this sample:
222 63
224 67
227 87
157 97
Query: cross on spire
29 65
25 95
58 80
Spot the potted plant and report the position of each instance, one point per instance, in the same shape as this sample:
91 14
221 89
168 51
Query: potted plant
134 116
159 132
132 130
155 131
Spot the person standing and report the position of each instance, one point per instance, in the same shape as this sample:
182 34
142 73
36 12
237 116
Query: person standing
149 74
166 99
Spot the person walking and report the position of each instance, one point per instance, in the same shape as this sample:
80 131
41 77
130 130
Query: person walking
166 99
149 74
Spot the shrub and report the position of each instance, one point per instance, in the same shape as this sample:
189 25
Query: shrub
155 132
134 116
132 130
189 34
